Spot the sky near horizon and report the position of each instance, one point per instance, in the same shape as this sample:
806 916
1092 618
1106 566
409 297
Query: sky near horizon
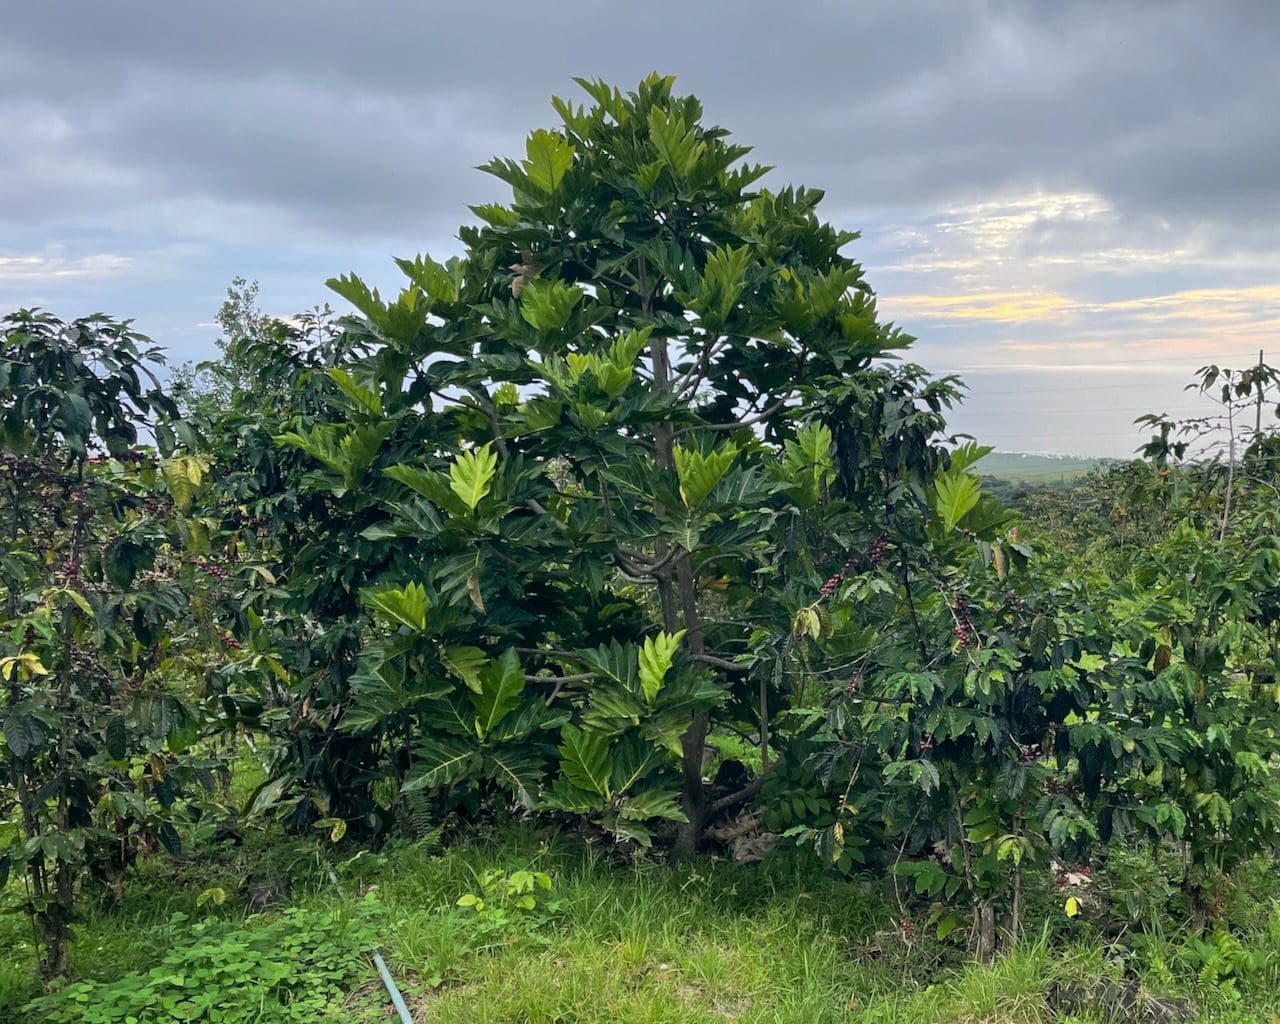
1071 205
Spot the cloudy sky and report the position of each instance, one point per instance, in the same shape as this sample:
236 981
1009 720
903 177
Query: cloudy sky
1074 205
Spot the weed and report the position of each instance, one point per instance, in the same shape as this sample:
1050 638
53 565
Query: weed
293 968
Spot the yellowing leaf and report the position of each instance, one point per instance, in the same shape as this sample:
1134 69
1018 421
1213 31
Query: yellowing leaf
808 621
183 476
67 594
27 665
267 575
473 592
1072 907
337 828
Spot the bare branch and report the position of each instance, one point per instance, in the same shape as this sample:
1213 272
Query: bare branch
581 677
721 663
735 424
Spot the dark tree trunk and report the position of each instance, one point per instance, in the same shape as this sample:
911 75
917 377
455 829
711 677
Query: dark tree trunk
984 931
678 598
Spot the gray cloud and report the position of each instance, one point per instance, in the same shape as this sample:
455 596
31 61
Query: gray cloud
368 117
148 152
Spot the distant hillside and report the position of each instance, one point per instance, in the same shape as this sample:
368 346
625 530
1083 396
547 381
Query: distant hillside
1025 467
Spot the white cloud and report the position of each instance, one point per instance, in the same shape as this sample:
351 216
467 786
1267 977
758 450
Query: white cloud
55 265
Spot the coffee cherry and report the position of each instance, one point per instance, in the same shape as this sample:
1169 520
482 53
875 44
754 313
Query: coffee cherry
876 554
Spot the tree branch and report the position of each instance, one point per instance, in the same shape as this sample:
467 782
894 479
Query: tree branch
721 663
735 424
911 606
739 797
688 383
581 677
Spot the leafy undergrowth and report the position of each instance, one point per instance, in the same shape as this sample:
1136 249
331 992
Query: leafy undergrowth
519 931
294 967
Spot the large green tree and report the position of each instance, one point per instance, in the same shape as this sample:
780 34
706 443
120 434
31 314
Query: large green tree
567 492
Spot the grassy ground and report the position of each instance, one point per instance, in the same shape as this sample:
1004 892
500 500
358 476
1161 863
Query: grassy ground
1019 467
616 942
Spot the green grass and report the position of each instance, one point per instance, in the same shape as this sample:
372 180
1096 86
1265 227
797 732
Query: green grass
1018 467
637 942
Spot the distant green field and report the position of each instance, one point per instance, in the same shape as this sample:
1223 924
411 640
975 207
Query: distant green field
1020 467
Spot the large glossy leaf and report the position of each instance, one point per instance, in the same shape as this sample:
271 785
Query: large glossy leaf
807 462
117 737
655 661
584 760
628 830
618 662
957 493
464 662
454 714
613 708
441 282
501 689
722 282
565 797
518 769
434 486
360 295
546 304
548 157
675 140
691 689
634 759
532 716
401 606
658 802
440 761
360 447
471 474
699 473
365 399
23 733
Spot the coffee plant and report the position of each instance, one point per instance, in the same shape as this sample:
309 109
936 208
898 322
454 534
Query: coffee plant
108 605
